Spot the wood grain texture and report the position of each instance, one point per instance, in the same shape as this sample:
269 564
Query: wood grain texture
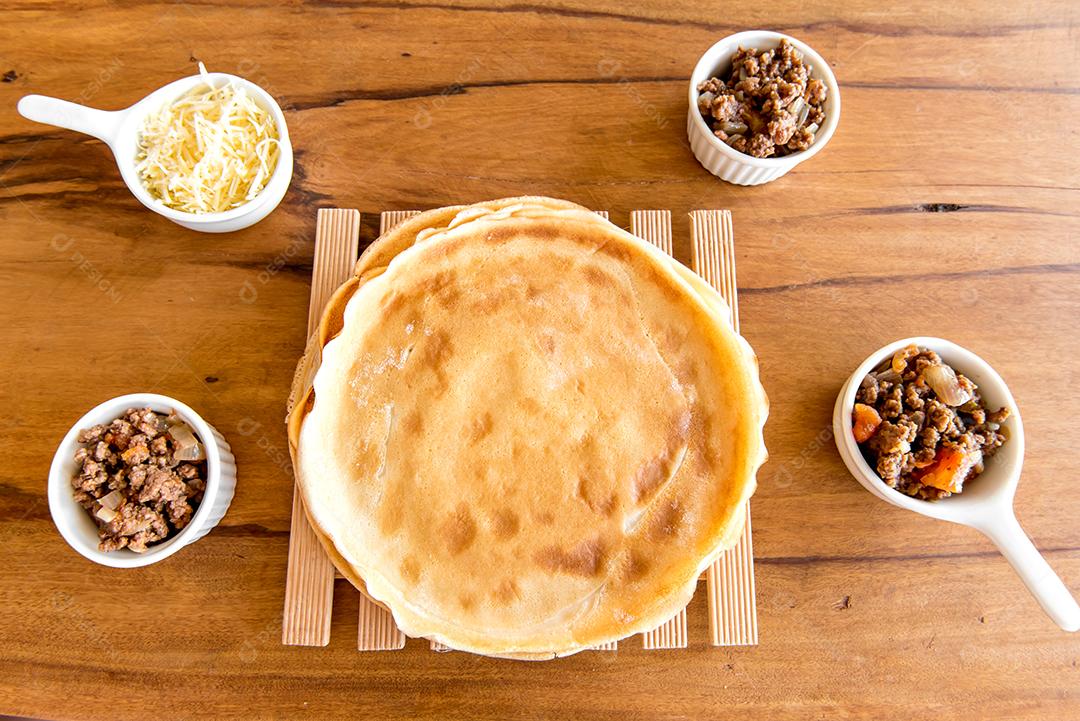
946 204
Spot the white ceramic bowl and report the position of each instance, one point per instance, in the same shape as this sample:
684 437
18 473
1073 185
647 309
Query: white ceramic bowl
729 164
996 484
81 532
119 129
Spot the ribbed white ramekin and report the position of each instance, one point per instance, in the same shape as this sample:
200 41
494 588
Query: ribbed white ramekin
81 532
729 164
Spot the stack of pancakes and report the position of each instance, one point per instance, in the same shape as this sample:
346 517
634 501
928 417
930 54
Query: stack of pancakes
530 431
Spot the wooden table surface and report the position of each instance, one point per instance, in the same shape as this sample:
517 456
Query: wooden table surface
946 204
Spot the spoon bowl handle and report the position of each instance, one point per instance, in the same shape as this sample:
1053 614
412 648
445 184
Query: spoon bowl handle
102 124
1045 585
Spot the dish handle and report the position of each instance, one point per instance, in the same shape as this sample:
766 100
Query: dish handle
102 124
1045 585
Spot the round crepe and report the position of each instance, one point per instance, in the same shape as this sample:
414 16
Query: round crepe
530 431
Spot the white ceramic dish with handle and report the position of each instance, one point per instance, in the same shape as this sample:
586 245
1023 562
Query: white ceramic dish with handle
119 129
80 530
986 504
727 163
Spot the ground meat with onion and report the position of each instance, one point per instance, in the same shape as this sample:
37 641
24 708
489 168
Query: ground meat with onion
141 478
768 105
923 426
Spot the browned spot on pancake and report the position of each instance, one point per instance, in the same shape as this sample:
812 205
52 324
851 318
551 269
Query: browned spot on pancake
531 406
392 302
531 292
448 297
599 278
666 521
459 530
584 559
440 287
636 566
616 250
666 284
410 570
595 497
655 472
481 427
650 476
413 422
684 371
501 234
467 601
491 302
505 524
432 353
609 504
437 282
545 517
507 591
391 514
539 228
547 343
580 386
670 339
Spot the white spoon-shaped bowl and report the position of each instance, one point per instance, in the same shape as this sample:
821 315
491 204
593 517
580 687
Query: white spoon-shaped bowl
986 504
119 129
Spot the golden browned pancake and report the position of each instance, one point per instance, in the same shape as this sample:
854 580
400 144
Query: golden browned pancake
530 432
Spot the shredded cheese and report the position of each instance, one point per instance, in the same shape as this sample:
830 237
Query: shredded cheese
208 151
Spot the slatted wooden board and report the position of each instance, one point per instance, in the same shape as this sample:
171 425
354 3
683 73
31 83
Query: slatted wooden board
309 583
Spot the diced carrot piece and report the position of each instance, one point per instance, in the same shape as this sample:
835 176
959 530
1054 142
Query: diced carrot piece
949 469
865 422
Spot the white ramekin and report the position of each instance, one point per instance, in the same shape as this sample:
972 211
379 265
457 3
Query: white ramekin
119 130
81 532
729 164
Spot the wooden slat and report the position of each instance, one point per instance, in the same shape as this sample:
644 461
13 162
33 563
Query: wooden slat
655 227
392 218
309 579
730 581
377 630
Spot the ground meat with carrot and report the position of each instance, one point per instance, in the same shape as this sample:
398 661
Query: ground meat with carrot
923 426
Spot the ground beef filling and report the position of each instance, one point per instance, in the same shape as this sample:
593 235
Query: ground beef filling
140 477
769 105
923 426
